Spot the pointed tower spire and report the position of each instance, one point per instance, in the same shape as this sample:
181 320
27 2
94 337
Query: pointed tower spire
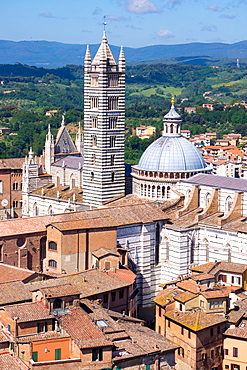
104 54
121 60
30 155
63 120
49 150
79 140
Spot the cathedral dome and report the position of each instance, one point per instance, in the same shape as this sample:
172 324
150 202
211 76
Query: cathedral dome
172 154
166 161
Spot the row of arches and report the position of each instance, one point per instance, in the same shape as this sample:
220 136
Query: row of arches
163 175
36 210
155 191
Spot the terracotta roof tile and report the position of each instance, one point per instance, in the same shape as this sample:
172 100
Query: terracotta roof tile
28 312
191 286
121 215
167 296
89 283
124 274
3 337
102 252
86 335
214 267
60 291
195 320
185 297
11 273
41 336
201 277
13 163
238 332
234 316
8 362
14 292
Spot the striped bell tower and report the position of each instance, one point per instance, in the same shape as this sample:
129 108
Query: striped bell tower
104 126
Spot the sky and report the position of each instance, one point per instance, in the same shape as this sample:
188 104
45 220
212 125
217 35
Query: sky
132 23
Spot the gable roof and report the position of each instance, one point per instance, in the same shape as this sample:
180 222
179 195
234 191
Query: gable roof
121 215
223 182
64 143
10 273
28 311
86 335
13 292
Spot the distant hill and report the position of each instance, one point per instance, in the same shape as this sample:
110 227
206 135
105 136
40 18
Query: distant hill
54 54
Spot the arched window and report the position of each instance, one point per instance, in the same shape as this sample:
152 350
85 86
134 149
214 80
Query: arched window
92 176
52 263
205 246
228 204
207 198
53 246
145 190
141 190
15 185
94 140
153 191
35 209
72 182
112 177
50 211
168 192
163 191
58 303
149 190
158 191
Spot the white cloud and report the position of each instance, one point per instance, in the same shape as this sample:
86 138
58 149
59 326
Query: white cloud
47 15
165 34
227 16
116 19
210 28
141 6
215 8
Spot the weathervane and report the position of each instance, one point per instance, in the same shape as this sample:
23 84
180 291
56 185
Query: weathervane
104 23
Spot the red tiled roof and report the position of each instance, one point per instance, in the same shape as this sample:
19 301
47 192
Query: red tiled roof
118 215
9 362
124 274
11 273
60 291
28 312
195 320
82 329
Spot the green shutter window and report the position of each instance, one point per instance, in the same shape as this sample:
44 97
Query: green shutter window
58 354
147 367
35 356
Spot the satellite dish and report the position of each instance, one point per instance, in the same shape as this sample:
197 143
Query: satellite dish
4 203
